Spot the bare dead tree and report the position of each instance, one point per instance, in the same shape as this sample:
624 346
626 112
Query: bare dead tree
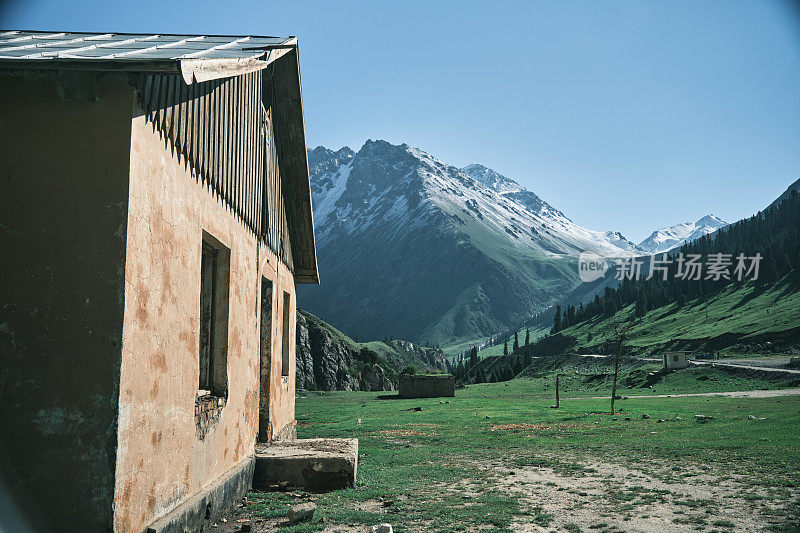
622 337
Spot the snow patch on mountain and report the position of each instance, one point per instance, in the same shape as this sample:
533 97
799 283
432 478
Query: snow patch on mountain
402 186
665 239
325 197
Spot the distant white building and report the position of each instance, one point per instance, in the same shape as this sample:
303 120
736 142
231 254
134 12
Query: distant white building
675 360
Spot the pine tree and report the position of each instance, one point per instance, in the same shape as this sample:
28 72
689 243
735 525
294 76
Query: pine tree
516 343
557 320
769 271
527 336
641 304
473 356
681 300
505 347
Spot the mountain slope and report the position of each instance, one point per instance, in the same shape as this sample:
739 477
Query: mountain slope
327 359
793 187
411 247
758 312
665 239
733 319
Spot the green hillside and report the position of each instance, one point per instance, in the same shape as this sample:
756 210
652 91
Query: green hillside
739 319
760 313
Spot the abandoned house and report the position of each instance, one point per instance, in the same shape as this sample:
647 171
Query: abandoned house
427 385
156 216
675 360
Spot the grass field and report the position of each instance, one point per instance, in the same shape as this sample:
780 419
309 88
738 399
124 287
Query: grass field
498 458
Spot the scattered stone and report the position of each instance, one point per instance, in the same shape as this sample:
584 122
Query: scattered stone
645 417
447 401
466 496
613 419
702 418
487 416
381 528
678 418
516 408
660 420
627 418
751 417
301 512
416 409
388 503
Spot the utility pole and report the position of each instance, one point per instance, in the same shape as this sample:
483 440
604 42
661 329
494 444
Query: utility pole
622 336
557 402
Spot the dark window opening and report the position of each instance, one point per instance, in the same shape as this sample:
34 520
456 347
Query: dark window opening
214 286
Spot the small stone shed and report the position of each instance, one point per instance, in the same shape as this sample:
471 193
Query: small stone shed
155 218
676 360
427 385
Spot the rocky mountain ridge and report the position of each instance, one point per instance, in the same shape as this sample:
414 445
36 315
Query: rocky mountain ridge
412 247
329 360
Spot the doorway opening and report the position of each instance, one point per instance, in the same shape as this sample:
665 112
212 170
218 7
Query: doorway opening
265 358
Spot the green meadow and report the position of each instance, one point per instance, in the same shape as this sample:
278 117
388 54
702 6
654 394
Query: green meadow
498 457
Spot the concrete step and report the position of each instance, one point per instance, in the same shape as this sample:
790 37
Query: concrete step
314 464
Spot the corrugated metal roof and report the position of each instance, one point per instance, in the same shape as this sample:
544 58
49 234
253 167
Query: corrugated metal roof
38 45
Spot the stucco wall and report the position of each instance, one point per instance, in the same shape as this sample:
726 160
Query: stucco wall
63 216
161 460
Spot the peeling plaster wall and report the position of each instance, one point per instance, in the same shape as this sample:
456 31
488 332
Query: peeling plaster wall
63 216
161 461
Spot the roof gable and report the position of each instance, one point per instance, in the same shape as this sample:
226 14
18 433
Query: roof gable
198 59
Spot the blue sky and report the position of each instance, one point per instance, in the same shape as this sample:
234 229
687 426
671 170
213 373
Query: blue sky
624 115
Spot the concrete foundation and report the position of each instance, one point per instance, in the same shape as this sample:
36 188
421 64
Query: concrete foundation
314 464
210 503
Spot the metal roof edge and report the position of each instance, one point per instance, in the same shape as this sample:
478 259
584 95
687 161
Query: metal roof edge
198 70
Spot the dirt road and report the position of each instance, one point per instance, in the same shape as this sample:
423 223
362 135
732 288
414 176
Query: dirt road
731 394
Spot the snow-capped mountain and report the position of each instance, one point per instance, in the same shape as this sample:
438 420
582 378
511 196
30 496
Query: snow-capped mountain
411 247
666 239
473 195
